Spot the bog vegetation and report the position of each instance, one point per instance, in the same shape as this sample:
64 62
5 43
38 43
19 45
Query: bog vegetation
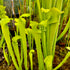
45 31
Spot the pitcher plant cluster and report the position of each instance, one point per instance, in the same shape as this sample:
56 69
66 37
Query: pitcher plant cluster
45 32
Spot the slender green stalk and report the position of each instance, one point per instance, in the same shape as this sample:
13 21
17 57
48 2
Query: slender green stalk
64 31
69 37
48 40
31 58
5 55
61 23
1 41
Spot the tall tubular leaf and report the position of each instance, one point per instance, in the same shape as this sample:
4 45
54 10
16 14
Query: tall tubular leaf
64 31
51 31
43 30
21 26
15 46
23 15
5 31
39 51
43 26
5 54
51 24
55 39
36 34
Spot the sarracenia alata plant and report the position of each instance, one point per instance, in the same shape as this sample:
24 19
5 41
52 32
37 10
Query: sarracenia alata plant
6 34
44 33
37 34
20 23
2 15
